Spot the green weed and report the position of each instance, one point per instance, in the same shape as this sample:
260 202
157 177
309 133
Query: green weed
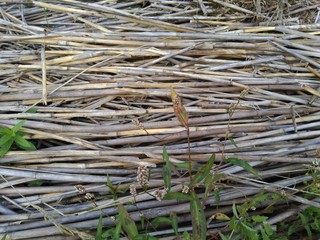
8 137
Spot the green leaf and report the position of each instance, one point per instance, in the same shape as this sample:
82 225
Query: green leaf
234 210
4 237
259 218
24 144
17 127
128 225
185 165
160 220
166 169
243 164
217 195
177 196
264 235
112 233
242 210
117 232
233 223
249 232
5 147
233 142
203 172
268 228
208 183
292 228
174 220
186 236
32 110
199 224
261 197
99 229
4 139
5 131
144 237
36 183
223 237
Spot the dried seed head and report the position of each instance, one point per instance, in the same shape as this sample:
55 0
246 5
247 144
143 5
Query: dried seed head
89 196
133 190
142 175
159 194
185 189
81 189
137 123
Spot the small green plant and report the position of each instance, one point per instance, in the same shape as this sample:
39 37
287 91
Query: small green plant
8 137
241 223
249 226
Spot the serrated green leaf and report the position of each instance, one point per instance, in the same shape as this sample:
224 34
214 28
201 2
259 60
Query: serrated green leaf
203 172
17 127
166 169
99 229
199 224
243 164
176 196
6 147
24 144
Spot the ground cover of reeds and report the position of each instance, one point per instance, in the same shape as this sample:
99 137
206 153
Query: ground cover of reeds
92 80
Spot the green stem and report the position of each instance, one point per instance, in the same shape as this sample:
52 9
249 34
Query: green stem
189 154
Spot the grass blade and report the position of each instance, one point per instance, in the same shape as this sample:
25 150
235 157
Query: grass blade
99 229
166 170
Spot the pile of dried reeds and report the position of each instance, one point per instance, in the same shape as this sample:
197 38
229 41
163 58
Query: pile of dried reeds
99 75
